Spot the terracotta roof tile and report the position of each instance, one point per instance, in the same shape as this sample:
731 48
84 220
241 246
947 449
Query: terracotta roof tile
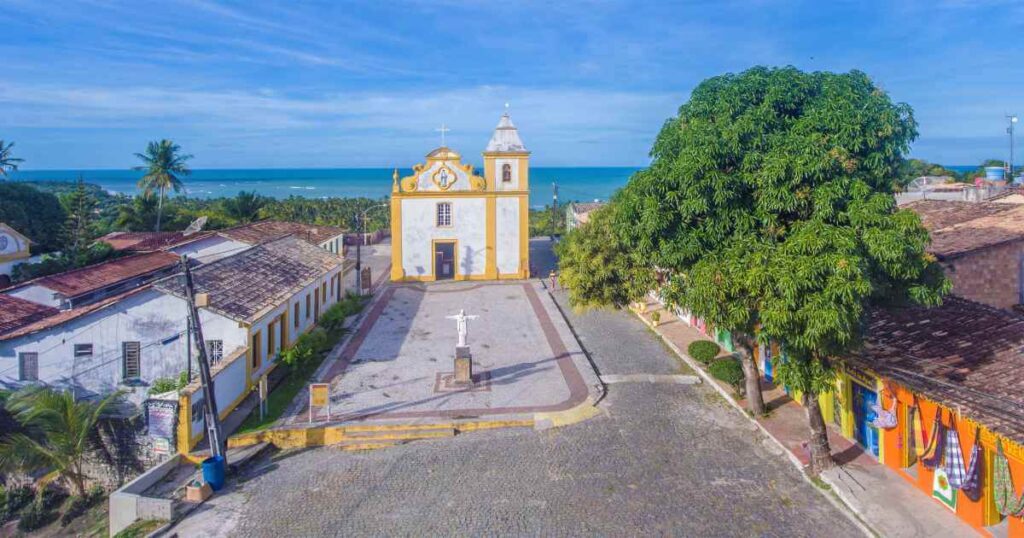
958 228
268 230
149 241
62 316
962 355
16 312
938 214
101 275
244 286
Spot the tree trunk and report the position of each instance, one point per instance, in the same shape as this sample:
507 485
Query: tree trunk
751 375
159 208
821 452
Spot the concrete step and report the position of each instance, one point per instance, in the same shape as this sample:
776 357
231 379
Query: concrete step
358 428
354 445
398 435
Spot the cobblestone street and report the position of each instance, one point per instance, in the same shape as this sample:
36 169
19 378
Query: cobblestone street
664 459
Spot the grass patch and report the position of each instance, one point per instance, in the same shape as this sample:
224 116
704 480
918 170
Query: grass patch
301 361
140 528
820 483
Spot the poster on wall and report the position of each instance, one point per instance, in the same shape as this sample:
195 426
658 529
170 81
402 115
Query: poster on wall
162 419
942 491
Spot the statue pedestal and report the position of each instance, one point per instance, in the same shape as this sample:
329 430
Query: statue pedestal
463 366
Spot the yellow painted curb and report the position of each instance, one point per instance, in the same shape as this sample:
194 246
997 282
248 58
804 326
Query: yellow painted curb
575 415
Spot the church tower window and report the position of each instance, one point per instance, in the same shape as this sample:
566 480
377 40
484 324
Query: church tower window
444 214
506 173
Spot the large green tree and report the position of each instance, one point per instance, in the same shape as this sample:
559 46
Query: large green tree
79 229
769 203
245 207
34 213
8 162
57 436
164 165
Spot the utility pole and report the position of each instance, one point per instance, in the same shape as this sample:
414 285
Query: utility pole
1009 166
188 353
213 430
359 242
554 209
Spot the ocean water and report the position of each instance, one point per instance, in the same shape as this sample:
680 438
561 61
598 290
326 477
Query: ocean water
574 184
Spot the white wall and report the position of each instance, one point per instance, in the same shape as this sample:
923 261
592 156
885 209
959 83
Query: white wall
507 230
501 185
155 320
469 222
211 248
229 384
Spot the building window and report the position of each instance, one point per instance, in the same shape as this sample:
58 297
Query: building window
131 354
444 214
324 293
28 366
506 173
257 351
271 335
83 350
215 350
308 308
296 316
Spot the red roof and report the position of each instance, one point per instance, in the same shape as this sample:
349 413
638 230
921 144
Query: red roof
267 230
16 313
93 277
148 241
61 316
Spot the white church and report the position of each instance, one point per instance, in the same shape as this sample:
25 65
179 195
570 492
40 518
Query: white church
447 223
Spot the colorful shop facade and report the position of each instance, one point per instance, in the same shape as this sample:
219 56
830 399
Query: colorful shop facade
937 396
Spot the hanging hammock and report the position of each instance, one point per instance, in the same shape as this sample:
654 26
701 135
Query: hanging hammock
933 455
1006 500
972 486
919 435
954 457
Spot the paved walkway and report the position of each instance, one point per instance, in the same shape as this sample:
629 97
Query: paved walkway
665 459
889 504
399 364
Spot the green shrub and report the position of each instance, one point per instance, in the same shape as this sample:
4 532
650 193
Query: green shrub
703 351
35 516
80 505
52 497
13 500
727 369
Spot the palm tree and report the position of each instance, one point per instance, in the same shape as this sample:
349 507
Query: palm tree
245 207
59 435
163 164
8 162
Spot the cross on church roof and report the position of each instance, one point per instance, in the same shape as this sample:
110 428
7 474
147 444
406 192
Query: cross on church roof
443 130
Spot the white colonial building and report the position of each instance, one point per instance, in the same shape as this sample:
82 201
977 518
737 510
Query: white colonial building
449 223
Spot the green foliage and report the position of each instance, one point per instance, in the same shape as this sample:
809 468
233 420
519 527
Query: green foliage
329 211
56 263
598 269
35 516
547 221
61 435
728 370
80 505
13 500
79 228
245 207
8 162
164 165
703 351
161 385
912 169
769 199
38 215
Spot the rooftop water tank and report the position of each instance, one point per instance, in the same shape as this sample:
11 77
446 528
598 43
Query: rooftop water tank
995 173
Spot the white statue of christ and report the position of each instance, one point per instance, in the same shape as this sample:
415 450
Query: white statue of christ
461 326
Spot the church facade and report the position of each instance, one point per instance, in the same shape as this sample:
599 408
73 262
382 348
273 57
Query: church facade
448 223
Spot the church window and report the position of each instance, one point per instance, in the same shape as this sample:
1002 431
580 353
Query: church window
506 173
444 214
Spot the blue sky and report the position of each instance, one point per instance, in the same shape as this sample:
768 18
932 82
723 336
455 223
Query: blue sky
365 84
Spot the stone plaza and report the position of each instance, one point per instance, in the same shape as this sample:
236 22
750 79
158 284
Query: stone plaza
400 363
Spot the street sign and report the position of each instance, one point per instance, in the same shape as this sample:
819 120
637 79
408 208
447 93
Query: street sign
319 396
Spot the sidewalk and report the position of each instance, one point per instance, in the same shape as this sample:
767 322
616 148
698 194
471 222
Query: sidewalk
885 502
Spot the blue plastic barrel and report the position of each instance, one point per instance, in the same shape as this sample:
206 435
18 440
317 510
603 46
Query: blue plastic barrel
213 472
